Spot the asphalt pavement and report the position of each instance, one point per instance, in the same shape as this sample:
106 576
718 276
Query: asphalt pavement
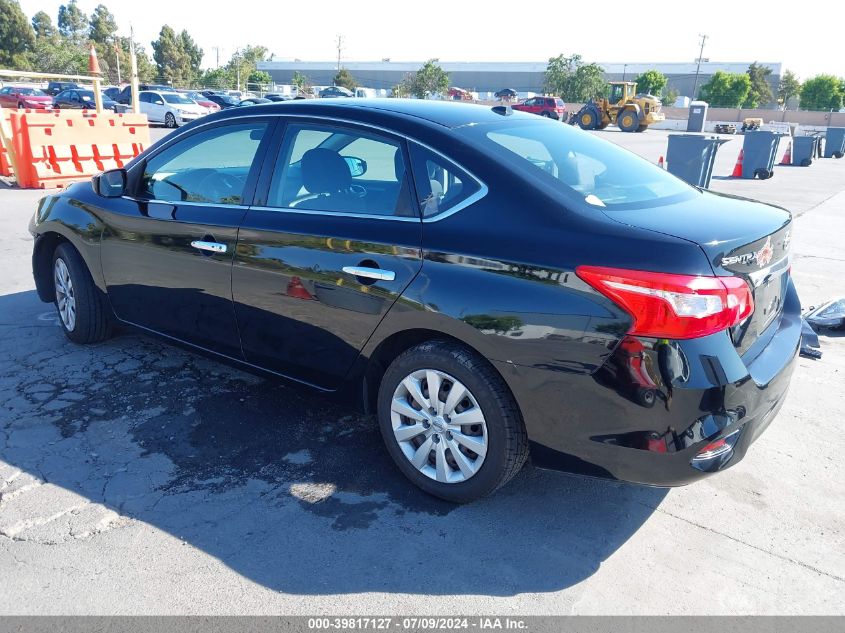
137 478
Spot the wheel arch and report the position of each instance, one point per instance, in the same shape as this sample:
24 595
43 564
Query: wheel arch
392 346
42 263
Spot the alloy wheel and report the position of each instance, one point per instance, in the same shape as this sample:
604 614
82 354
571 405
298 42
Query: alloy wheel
65 297
439 426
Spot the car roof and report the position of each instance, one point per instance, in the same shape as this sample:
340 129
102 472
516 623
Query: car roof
443 113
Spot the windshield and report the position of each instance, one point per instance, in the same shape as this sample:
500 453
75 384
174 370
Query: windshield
175 97
600 173
30 92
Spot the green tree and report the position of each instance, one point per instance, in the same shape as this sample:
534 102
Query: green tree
726 90
177 57
429 80
789 87
73 23
651 82
574 80
43 26
56 55
669 96
259 78
760 93
345 79
17 38
300 81
822 92
102 26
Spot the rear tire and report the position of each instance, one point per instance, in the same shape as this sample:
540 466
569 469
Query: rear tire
84 313
546 114
587 120
642 128
493 422
170 120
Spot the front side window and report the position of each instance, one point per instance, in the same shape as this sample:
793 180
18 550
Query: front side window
175 97
441 185
340 170
210 166
582 165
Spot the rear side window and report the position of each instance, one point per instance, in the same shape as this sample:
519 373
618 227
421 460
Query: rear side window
441 185
210 166
341 170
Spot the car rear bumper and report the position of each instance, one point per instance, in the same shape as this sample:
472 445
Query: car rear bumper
655 405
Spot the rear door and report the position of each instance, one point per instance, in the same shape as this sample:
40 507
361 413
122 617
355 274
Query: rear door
334 242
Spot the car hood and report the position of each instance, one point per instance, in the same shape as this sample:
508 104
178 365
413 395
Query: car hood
189 107
36 98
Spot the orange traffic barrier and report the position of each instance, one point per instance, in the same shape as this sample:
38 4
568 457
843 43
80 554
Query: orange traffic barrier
737 172
55 149
5 164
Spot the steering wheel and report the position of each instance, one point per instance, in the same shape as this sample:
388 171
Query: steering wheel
358 190
221 187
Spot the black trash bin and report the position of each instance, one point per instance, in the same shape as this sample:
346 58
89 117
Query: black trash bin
690 157
759 150
834 142
803 150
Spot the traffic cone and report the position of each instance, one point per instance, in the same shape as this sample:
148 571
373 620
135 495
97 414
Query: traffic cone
787 157
93 64
737 173
661 163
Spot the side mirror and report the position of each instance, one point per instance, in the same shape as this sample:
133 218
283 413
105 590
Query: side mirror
159 102
357 166
110 184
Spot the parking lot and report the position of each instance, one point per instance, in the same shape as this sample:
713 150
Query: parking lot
140 478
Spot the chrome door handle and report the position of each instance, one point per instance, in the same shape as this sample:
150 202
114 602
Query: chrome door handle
214 247
370 273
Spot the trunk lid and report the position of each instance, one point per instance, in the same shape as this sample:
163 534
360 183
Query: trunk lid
739 237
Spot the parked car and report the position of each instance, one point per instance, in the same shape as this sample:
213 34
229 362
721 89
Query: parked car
333 92
202 100
221 100
328 243
506 93
80 99
111 92
551 107
125 95
278 97
55 87
171 108
24 97
253 101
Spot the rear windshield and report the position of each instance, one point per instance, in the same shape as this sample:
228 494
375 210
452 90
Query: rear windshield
600 173
175 97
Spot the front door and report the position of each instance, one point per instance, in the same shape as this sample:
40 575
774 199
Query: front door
335 243
167 253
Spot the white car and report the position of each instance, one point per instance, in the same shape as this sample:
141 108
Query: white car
171 108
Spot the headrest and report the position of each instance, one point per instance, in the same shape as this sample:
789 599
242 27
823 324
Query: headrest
325 171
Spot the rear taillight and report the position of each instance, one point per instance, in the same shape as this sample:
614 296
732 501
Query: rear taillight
671 306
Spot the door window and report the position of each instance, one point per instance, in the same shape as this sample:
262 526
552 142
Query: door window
441 185
340 170
210 166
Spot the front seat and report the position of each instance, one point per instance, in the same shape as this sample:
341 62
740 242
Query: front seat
326 174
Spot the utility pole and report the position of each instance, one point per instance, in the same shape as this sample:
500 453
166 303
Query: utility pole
698 65
133 77
216 50
624 71
339 49
117 57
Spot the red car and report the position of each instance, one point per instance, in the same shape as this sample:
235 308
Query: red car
24 97
552 107
202 100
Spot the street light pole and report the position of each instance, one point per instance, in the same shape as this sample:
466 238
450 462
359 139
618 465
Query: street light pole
698 66
624 71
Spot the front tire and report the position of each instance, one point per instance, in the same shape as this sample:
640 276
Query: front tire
467 440
170 120
628 121
83 310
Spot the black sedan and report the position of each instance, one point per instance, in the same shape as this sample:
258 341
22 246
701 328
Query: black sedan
223 100
251 101
491 284
80 100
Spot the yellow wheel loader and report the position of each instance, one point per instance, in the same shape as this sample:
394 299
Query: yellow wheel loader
622 107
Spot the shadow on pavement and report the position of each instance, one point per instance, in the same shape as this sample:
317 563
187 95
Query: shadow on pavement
286 487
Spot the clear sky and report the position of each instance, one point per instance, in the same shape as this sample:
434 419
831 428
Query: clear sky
494 30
